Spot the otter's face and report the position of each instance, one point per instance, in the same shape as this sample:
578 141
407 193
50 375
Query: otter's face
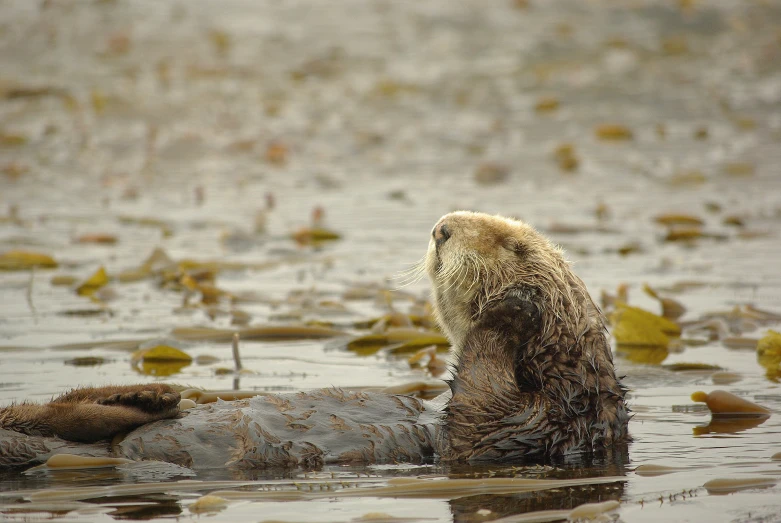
475 258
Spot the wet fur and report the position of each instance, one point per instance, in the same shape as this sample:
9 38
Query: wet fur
534 374
93 414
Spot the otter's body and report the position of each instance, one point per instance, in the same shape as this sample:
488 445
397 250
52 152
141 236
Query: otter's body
533 378
307 430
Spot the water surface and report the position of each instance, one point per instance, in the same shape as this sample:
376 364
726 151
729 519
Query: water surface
172 124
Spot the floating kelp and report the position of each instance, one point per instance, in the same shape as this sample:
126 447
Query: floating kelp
63 280
206 359
730 485
403 339
672 219
723 403
92 284
683 367
687 234
629 248
671 309
409 488
651 470
591 511
314 236
270 333
72 461
725 378
643 354
120 345
161 353
201 396
86 361
395 319
565 157
613 132
93 492
25 260
165 228
632 326
85 313
546 104
97 239
769 354
687 178
160 360
208 504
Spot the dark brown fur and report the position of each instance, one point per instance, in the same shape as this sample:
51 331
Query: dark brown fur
93 414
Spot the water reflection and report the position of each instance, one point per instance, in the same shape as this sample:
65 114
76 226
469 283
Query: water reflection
465 509
729 424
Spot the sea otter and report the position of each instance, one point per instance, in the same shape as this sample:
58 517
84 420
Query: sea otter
533 378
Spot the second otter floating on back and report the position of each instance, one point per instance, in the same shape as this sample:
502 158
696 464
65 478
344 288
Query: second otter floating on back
534 378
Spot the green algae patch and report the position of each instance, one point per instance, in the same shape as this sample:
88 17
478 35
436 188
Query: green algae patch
19 260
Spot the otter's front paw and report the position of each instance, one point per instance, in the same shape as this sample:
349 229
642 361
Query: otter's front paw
148 400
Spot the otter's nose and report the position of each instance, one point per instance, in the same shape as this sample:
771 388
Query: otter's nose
440 233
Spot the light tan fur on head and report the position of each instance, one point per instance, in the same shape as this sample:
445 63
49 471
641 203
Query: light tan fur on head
484 256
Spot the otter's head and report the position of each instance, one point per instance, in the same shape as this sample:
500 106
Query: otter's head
475 259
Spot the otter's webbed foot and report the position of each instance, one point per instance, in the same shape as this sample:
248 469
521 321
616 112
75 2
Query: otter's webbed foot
93 413
150 397
516 316
144 399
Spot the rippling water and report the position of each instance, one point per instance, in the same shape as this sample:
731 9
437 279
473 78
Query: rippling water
381 113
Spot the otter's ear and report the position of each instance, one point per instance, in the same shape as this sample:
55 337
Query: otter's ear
519 248
515 317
